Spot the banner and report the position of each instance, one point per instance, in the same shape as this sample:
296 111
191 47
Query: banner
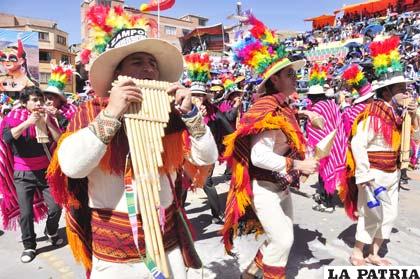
19 60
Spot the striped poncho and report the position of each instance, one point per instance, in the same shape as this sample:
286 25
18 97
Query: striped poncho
332 168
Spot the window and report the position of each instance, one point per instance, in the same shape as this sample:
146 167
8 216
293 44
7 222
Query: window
44 56
44 77
185 31
61 40
65 59
43 36
202 22
169 30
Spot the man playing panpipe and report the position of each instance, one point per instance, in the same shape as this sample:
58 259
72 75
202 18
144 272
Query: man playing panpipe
93 154
371 194
23 164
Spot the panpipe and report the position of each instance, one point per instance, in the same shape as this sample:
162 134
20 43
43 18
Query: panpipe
145 124
41 131
405 138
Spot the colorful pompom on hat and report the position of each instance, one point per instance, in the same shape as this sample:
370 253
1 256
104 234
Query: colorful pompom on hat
387 63
115 34
356 80
198 71
229 85
317 79
61 75
262 51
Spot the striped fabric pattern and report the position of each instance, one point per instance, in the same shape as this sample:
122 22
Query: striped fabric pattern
113 239
350 114
332 168
383 160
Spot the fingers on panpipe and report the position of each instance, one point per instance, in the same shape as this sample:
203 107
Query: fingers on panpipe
145 125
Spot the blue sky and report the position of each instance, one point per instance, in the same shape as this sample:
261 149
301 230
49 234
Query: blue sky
278 14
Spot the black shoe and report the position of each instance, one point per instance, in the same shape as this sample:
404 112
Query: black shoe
28 255
217 220
403 181
54 239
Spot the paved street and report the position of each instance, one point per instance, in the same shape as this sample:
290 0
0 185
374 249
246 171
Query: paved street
321 239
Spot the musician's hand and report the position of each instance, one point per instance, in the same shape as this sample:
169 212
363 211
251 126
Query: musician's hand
121 96
203 110
412 107
307 166
183 100
51 110
33 118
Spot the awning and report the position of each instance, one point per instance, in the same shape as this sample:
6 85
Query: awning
322 20
207 30
371 6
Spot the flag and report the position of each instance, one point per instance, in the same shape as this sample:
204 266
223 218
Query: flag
153 5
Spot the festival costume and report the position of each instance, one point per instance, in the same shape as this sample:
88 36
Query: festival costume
373 154
198 70
260 153
26 195
332 168
91 185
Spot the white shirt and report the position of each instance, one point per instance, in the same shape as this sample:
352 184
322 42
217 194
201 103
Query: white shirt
79 156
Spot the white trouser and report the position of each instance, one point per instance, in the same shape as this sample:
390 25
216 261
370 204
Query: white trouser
108 270
368 227
275 212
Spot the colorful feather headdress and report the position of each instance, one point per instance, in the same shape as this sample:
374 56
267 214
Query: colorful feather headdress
60 76
318 75
355 78
198 71
386 58
104 22
358 83
260 49
229 84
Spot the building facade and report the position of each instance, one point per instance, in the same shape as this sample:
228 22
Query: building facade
53 44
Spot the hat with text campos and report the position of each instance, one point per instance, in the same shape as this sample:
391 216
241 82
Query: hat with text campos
356 80
198 71
114 35
317 79
60 77
262 51
387 63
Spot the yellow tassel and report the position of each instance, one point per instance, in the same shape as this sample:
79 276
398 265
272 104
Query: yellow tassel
76 246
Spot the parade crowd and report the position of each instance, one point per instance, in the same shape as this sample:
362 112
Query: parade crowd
266 112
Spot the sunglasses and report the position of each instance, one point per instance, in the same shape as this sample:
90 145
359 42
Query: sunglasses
10 58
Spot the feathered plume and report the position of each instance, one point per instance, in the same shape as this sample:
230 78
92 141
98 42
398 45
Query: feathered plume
385 56
104 22
198 67
318 75
229 83
354 77
260 48
60 76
